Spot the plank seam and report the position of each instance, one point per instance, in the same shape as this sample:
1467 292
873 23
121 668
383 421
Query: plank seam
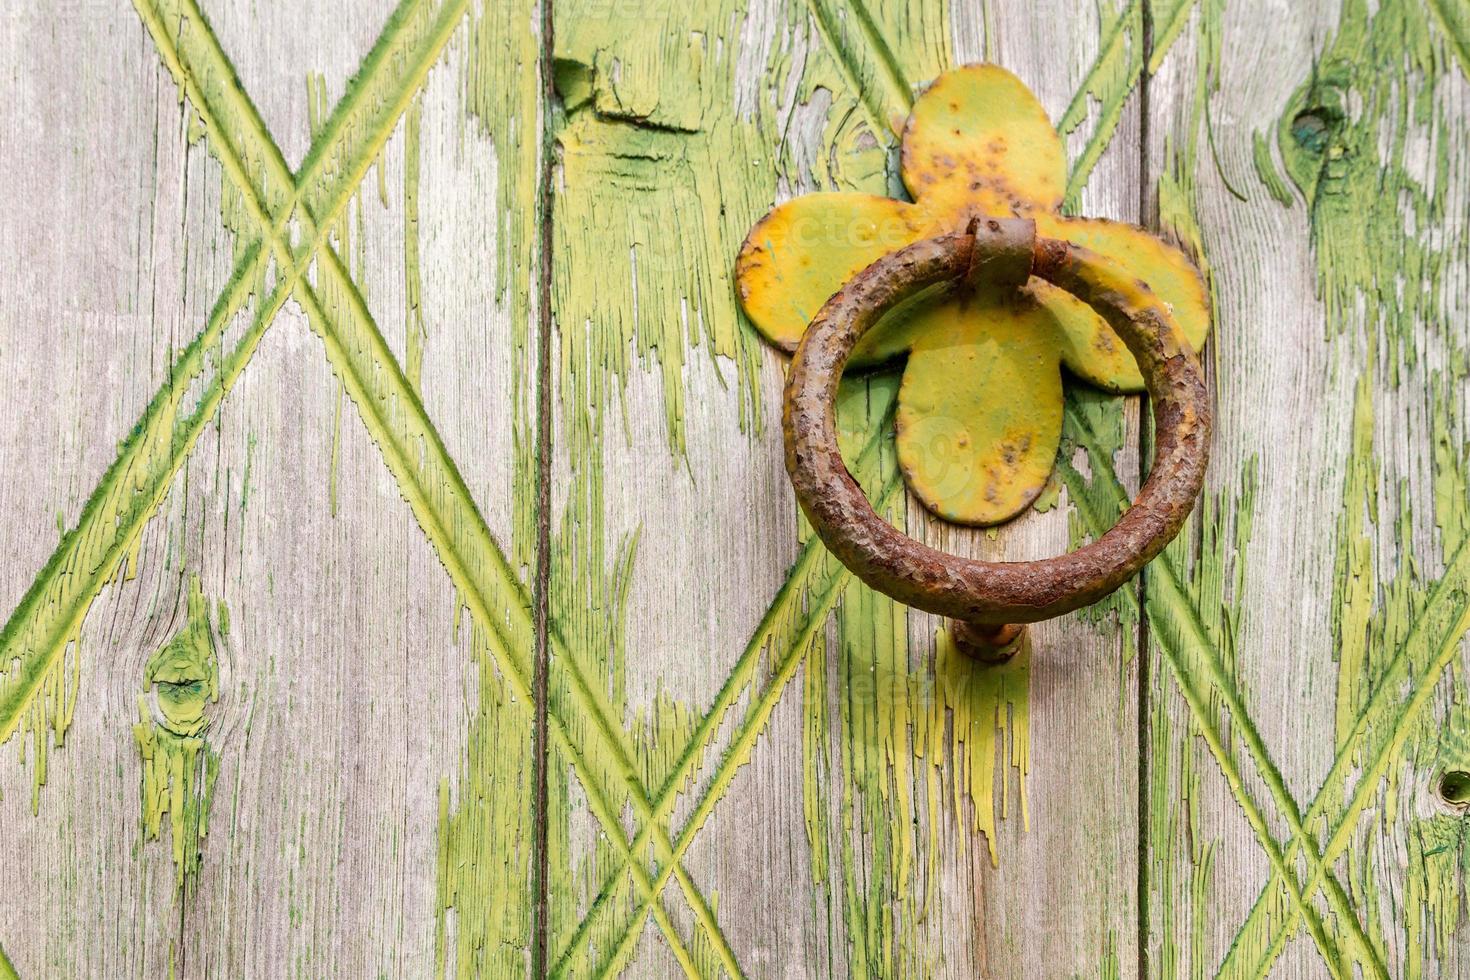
1141 636
541 613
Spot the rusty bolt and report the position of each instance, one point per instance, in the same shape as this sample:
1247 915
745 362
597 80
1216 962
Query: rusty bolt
991 598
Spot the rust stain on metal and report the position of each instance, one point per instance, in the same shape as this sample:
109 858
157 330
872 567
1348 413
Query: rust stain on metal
986 595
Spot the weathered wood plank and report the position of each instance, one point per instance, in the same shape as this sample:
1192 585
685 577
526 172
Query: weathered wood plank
1340 499
818 841
666 148
97 164
1066 886
345 818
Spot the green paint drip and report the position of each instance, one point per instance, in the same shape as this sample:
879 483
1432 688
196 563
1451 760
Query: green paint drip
588 717
1452 18
502 98
916 745
791 631
484 835
649 198
483 917
179 766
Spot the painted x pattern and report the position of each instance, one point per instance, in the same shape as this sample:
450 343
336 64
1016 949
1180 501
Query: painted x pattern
273 196
310 203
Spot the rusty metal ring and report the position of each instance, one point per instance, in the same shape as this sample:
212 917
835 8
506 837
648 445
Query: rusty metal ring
989 599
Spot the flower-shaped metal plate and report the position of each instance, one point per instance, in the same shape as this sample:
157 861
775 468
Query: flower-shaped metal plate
980 406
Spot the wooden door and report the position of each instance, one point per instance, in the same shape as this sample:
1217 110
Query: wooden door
403 580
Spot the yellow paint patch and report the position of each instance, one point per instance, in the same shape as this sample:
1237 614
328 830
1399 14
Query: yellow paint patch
956 398
797 256
1091 350
979 141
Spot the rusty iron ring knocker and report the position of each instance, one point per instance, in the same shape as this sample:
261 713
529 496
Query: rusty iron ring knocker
991 601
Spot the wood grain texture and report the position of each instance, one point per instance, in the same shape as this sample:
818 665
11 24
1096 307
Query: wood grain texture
1337 602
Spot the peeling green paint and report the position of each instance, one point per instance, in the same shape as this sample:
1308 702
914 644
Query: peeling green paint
1352 140
37 687
1368 144
484 920
915 746
179 765
499 73
644 198
638 157
484 835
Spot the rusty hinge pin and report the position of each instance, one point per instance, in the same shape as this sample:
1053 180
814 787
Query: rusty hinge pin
989 598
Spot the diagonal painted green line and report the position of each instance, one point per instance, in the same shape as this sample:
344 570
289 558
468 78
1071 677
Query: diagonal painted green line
1113 76
878 110
388 426
1167 29
813 565
50 614
837 577
396 418
7 972
1452 585
1169 608
135 484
